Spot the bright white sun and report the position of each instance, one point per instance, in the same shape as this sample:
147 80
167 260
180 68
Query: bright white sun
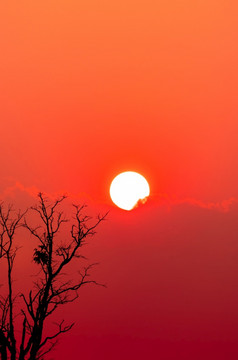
128 188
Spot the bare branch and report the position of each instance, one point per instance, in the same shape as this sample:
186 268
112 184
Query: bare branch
62 329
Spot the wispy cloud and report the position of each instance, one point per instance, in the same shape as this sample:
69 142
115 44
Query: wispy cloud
10 191
13 191
170 201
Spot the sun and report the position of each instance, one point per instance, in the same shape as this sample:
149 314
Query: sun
128 188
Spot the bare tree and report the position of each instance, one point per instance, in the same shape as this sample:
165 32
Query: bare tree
52 287
8 227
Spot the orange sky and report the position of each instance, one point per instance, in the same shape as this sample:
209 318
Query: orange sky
92 88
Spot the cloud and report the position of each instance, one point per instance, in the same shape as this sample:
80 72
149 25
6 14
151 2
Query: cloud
223 205
18 190
10 191
170 201
22 195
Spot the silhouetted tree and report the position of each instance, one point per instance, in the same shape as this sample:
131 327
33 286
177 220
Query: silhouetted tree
52 288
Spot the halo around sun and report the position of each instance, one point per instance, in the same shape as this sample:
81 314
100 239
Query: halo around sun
128 188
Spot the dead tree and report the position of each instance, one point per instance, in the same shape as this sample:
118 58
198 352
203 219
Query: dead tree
8 227
52 289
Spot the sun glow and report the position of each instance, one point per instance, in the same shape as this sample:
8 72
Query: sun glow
128 188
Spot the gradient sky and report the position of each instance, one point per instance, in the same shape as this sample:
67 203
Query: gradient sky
92 88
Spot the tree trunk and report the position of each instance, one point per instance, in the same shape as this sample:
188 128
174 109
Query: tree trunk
36 340
35 347
3 352
3 346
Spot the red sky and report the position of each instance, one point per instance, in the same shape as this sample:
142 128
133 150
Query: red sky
92 88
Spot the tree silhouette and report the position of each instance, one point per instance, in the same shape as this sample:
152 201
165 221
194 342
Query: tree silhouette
52 288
